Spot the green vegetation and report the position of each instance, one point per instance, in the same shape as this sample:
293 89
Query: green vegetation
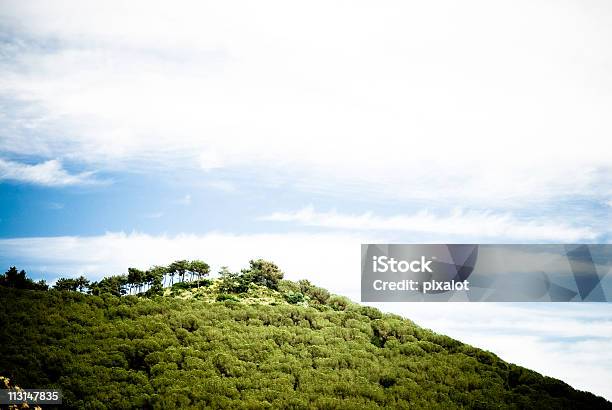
14 278
245 340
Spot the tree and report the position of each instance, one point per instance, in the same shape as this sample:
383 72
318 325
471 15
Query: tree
81 283
264 273
199 268
232 282
41 285
154 277
13 278
66 284
114 285
178 268
135 278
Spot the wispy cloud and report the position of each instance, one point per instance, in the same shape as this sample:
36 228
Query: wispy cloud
364 112
48 173
458 223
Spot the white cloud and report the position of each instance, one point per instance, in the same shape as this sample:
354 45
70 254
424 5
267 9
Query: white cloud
410 100
210 160
567 341
485 225
48 173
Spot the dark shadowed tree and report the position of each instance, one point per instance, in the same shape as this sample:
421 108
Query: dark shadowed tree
14 278
114 285
81 283
66 284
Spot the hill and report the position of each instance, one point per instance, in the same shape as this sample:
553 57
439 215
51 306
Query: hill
243 342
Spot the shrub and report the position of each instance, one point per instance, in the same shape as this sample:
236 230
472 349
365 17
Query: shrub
294 297
222 297
338 302
318 295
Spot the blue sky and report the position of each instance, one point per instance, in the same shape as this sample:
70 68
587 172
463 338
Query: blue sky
135 134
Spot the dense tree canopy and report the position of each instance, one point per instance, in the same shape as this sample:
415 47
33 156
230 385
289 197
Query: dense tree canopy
268 343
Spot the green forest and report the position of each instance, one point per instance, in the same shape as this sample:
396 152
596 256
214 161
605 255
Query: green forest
171 337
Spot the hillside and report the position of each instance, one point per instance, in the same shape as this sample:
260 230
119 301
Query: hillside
229 343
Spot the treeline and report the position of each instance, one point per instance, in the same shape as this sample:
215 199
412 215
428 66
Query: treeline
150 281
153 280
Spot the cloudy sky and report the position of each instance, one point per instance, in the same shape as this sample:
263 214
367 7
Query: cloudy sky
137 133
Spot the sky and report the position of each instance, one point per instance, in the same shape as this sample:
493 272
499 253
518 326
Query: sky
133 134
